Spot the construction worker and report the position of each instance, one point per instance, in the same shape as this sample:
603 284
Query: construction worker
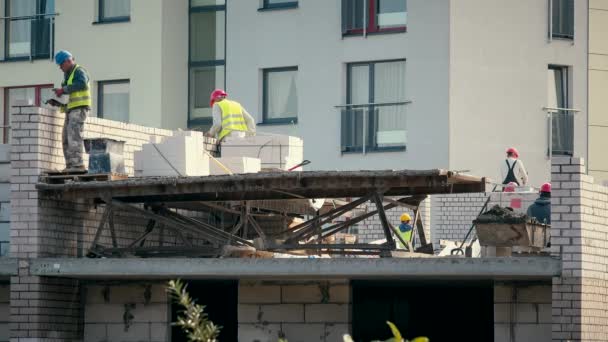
513 169
541 208
229 117
76 85
405 229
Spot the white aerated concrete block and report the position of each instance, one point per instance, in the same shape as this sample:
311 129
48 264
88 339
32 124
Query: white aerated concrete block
275 151
180 155
235 165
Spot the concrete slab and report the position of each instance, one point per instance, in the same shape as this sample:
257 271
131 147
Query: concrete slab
393 268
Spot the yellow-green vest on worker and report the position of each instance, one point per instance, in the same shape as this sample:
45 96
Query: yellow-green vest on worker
80 98
232 118
405 231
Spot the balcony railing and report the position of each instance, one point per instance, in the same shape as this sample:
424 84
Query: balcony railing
560 128
28 37
373 127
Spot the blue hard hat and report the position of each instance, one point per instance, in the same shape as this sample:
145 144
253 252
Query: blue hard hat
61 56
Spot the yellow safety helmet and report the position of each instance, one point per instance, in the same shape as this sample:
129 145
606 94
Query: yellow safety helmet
405 217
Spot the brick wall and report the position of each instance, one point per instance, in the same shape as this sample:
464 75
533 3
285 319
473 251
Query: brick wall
579 236
522 312
303 312
49 308
452 215
128 313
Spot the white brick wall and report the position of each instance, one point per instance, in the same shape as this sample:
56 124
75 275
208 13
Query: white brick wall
579 236
452 215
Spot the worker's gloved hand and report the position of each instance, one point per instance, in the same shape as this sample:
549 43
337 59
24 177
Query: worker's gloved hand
58 92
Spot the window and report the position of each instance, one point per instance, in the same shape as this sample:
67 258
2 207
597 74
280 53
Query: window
28 30
273 4
562 19
562 124
207 58
114 10
280 95
373 16
113 100
374 117
36 95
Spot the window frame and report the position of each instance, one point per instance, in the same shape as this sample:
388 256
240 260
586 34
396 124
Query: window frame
565 72
102 19
370 148
370 27
197 122
37 98
6 56
100 85
552 34
267 5
275 121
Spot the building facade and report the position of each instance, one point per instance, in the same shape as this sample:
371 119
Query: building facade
397 84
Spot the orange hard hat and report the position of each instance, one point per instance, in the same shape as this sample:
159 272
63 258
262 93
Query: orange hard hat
217 93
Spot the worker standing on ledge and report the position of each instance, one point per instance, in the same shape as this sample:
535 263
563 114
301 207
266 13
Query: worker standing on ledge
229 117
541 208
513 169
76 85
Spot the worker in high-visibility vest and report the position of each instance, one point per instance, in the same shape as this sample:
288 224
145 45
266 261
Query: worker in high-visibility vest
76 85
405 229
229 117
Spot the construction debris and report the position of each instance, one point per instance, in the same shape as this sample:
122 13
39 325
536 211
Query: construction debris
498 214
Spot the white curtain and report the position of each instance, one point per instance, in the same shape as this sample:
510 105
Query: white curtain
116 102
282 96
389 86
116 8
392 13
20 31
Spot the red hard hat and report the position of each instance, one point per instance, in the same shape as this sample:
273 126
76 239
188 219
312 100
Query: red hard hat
514 151
545 187
215 95
510 187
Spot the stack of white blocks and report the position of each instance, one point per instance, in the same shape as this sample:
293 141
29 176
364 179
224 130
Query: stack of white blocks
180 155
235 165
275 151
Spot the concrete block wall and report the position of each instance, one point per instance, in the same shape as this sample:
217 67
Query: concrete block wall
579 236
49 308
300 311
452 215
522 312
129 313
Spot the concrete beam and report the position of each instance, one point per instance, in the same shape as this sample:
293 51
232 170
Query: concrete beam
396 268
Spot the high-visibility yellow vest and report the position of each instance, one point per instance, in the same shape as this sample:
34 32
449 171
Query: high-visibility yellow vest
232 118
78 98
406 236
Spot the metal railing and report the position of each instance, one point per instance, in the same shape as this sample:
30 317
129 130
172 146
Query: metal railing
565 125
373 126
42 33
